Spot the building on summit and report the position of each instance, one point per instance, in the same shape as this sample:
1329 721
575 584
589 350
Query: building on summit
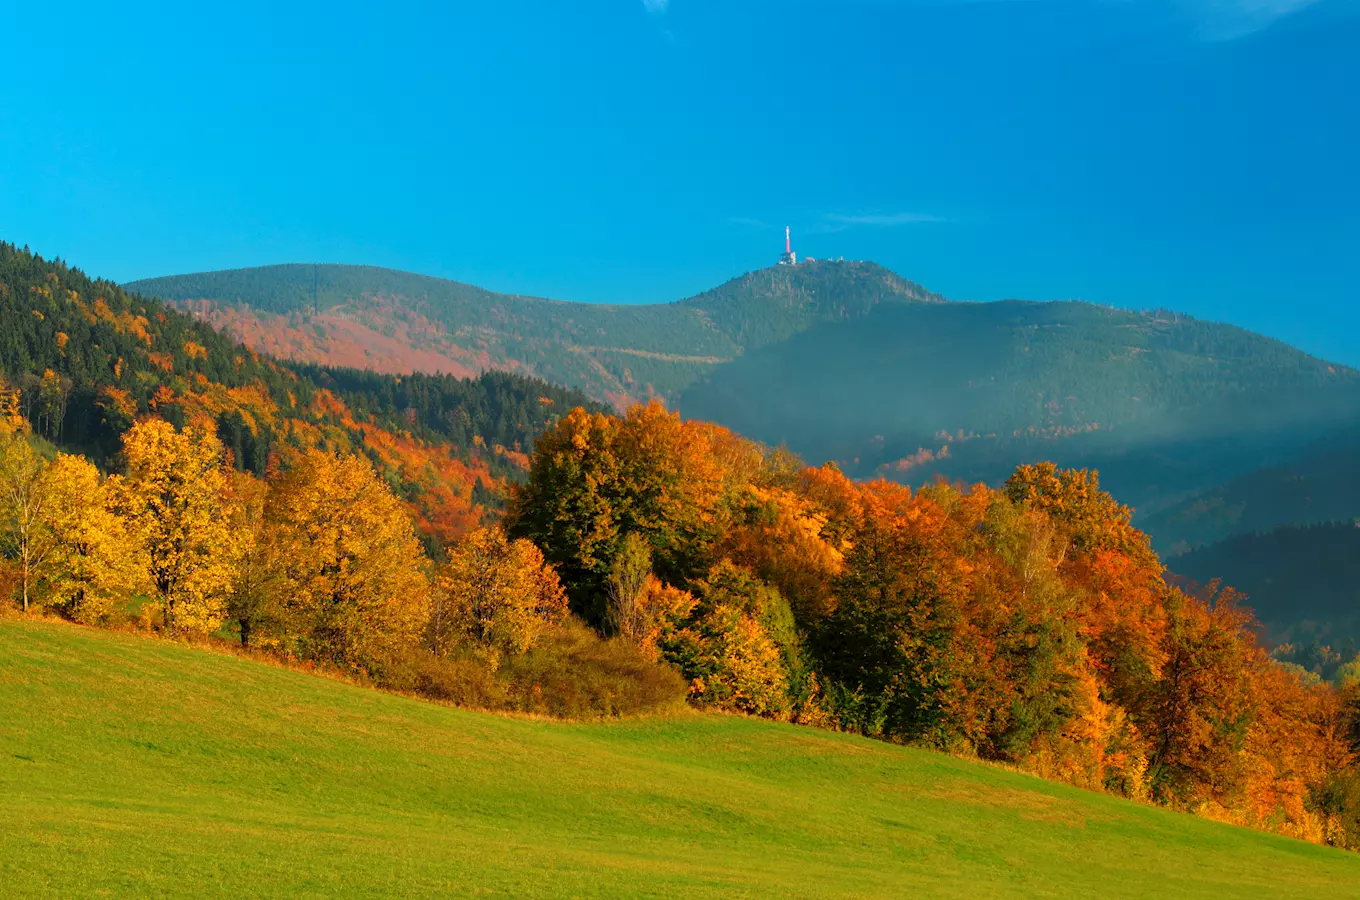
789 258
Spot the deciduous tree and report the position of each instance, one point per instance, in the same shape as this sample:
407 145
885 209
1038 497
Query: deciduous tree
174 497
352 569
496 592
94 563
23 536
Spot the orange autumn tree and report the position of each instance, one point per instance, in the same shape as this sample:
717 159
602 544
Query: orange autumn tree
649 518
943 639
786 539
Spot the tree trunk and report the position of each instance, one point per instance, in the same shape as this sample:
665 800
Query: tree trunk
25 575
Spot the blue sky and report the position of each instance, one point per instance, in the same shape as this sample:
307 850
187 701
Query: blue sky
1195 154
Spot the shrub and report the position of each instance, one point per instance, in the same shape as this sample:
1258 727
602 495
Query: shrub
569 673
572 673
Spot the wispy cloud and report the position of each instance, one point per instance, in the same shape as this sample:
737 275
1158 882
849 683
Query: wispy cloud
656 6
881 220
1225 20
1211 20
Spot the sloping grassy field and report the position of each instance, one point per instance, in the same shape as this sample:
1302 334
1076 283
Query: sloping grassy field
136 767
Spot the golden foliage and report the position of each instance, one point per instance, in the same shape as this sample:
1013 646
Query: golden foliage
93 563
174 499
22 536
12 421
350 565
496 592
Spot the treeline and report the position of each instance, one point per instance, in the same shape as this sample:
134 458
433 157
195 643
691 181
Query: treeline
88 357
646 559
495 408
1031 625
318 563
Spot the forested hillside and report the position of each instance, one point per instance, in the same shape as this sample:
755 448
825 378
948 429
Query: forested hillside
643 558
841 361
399 322
1162 403
1303 582
1320 485
89 358
646 559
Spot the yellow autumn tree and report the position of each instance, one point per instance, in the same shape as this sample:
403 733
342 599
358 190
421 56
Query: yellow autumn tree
12 421
497 592
351 570
23 540
92 562
254 601
174 498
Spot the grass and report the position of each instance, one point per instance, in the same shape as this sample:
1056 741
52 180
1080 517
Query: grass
133 767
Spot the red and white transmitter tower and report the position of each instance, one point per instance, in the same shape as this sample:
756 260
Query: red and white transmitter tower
789 258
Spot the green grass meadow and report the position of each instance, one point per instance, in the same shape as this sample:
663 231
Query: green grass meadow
133 767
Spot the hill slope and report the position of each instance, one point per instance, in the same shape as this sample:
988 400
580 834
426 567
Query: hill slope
1302 582
140 768
89 358
971 389
400 322
841 361
1320 485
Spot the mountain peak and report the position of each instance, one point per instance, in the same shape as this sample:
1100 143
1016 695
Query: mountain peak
396 322
822 280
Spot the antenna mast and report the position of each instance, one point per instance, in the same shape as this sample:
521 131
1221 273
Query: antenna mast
788 259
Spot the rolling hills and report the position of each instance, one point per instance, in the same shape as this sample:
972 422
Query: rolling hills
400 322
137 767
1161 403
89 358
840 360
1206 429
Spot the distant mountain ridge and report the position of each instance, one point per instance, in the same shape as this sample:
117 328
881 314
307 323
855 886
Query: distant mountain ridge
397 322
967 390
840 360
1302 582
